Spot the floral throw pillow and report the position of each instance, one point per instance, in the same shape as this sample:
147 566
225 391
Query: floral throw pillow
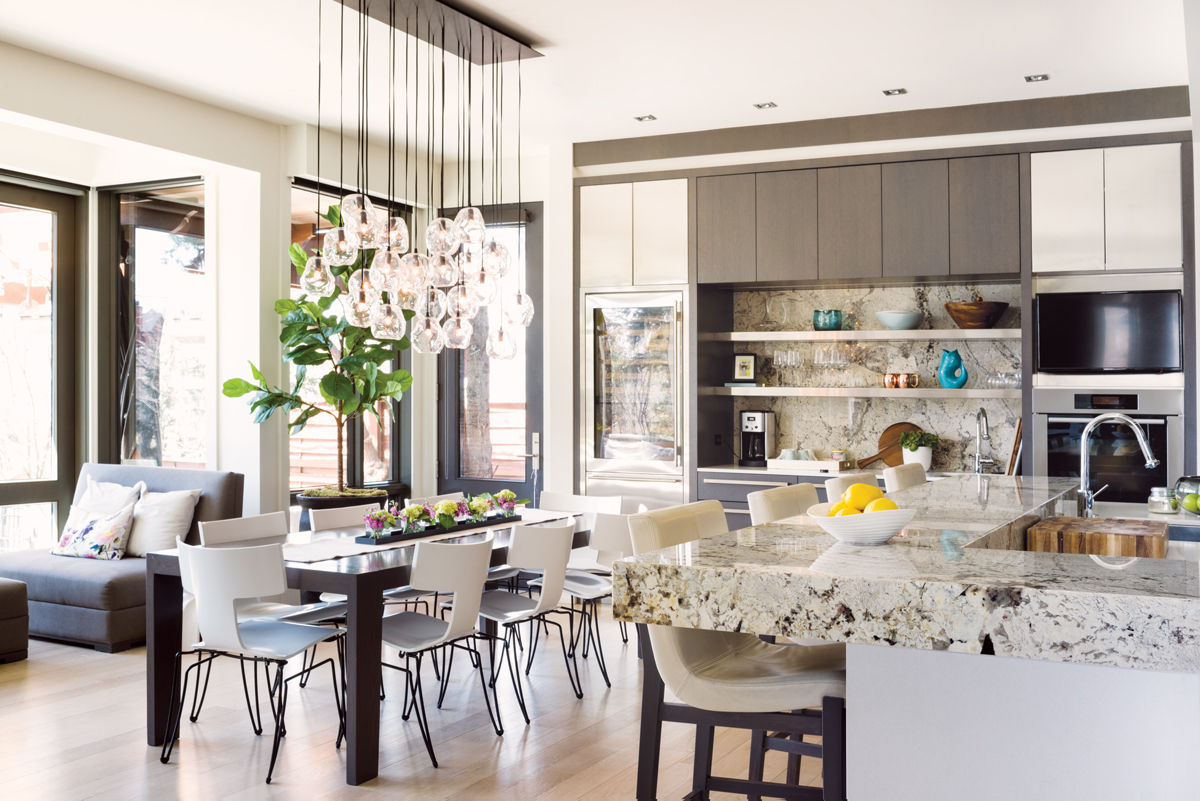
95 535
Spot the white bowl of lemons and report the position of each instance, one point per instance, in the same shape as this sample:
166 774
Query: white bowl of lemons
862 516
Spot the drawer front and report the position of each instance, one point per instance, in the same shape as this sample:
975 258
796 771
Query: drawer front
736 486
737 515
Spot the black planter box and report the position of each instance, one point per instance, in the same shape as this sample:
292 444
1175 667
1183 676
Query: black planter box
389 539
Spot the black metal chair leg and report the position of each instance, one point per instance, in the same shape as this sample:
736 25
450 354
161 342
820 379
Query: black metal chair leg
414 683
446 668
594 635
568 660
198 698
173 716
280 688
256 725
513 673
624 631
495 716
305 662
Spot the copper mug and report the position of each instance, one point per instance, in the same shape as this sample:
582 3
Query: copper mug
906 380
889 380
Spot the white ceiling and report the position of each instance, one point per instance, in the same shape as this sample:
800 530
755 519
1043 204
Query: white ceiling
694 64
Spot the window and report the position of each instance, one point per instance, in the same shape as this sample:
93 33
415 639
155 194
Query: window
162 319
372 452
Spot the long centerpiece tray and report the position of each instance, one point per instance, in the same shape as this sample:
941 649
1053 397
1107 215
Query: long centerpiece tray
402 536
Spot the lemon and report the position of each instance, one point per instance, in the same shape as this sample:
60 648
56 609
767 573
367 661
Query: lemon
847 510
881 505
837 507
859 495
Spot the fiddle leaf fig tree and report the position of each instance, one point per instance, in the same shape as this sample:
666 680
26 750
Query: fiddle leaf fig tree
316 334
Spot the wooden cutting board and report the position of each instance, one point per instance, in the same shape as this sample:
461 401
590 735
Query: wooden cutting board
1100 536
889 445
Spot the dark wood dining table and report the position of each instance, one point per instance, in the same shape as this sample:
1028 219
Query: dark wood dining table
362 579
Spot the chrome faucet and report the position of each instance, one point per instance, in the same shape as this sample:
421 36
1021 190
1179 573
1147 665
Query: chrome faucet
981 433
1085 452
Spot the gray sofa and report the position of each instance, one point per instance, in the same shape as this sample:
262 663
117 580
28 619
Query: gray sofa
103 603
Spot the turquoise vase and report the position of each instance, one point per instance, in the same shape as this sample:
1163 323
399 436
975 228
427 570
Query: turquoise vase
951 373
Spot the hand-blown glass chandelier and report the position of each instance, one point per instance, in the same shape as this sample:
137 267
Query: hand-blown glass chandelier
365 255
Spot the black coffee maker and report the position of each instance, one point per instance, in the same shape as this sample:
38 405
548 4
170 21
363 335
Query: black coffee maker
756 430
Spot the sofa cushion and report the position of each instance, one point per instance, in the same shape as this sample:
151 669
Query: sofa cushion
105 585
95 535
13 599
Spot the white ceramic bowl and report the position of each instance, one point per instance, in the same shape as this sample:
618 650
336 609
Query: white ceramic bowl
899 320
868 528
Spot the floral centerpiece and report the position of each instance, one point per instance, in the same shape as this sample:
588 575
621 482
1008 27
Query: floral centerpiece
378 521
506 502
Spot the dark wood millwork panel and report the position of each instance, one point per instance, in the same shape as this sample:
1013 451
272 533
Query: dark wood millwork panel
1167 102
916 218
1027 355
985 215
1188 210
786 225
849 233
714 413
725 238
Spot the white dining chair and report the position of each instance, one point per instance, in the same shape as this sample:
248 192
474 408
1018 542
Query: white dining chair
460 571
767 506
432 499
903 477
737 680
224 578
582 559
244 529
834 487
343 517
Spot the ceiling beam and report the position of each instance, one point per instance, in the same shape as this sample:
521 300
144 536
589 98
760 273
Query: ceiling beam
483 42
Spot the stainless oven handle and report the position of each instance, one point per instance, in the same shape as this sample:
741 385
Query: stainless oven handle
1089 419
746 483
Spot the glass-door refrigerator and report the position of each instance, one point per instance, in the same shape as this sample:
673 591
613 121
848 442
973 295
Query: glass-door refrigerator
632 437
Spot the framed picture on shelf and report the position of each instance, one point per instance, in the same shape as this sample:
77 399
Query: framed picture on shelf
745 368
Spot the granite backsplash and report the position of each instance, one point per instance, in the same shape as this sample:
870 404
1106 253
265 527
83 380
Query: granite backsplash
824 423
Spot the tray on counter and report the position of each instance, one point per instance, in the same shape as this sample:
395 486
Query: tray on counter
400 536
823 466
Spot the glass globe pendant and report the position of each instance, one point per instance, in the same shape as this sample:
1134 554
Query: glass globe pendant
387 268
427 335
460 302
501 346
457 332
317 279
440 237
496 260
387 322
367 227
431 303
360 283
444 269
470 259
416 270
340 247
406 297
358 311
483 288
353 203
520 310
397 234
469 226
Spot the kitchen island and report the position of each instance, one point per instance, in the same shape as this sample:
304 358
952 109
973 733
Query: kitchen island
1121 719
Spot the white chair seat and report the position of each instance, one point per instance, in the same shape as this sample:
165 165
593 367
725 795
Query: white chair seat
307 613
583 585
502 573
276 639
412 631
583 560
505 607
404 594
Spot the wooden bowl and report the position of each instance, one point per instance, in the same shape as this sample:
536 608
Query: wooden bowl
976 313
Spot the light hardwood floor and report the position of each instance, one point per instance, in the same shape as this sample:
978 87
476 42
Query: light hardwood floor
73 724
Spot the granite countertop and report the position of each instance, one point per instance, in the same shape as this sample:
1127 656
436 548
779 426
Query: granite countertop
946 583
878 471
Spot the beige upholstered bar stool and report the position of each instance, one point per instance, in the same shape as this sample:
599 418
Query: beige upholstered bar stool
734 680
903 477
770 505
834 487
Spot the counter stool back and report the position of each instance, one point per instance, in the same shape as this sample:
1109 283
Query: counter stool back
903 477
767 506
738 681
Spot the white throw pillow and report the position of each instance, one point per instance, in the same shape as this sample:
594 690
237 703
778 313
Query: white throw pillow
160 517
101 497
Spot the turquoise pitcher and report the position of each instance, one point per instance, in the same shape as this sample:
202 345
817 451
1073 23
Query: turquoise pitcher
952 374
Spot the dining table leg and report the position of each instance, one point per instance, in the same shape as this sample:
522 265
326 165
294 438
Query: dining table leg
364 636
164 632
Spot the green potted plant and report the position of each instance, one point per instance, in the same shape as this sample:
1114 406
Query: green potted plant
316 333
917 446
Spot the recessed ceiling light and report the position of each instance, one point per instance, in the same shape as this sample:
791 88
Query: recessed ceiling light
894 92
1037 78
646 118
768 104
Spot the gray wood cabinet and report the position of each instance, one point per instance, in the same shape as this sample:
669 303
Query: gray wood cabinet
916 218
849 222
985 215
786 225
726 249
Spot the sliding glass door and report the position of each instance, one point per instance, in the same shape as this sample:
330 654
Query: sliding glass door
38 317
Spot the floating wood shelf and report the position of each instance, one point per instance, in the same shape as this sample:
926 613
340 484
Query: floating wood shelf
864 392
815 336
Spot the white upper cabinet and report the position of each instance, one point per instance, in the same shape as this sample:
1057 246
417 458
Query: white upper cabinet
633 234
1117 208
660 232
606 235
1143 219
1067 195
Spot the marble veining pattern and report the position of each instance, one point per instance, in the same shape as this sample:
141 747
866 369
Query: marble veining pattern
856 423
794 580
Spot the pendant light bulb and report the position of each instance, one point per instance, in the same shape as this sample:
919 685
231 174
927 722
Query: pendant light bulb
353 203
397 235
469 226
358 308
501 346
440 237
496 259
460 302
387 322
432 303
483 288
387 268
427 335
360 283
316 278
444 270
457 332
340 247
519 310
